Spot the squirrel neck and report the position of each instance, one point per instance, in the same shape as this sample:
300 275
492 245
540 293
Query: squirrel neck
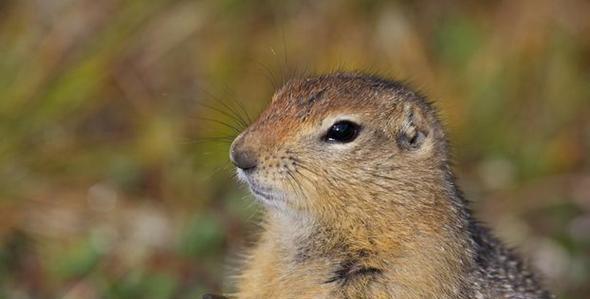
435 209
418 241
441 216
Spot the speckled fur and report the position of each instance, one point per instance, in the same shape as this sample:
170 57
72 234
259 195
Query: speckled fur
379 217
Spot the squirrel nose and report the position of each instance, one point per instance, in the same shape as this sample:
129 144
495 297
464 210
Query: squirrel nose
243 159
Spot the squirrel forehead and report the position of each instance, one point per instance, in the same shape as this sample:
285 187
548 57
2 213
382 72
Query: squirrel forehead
315 97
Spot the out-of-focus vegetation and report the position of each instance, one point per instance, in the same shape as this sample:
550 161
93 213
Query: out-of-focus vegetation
114 183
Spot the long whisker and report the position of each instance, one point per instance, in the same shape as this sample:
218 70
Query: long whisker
231 111
220 139
239 105
225 124
222 112
268 74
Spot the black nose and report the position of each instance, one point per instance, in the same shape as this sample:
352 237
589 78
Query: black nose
244 159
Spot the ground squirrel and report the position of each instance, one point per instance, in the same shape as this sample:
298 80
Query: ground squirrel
353 171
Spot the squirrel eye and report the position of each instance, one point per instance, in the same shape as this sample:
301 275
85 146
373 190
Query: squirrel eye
342 132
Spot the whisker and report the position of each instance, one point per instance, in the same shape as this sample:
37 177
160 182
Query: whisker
227 140
268 74
239 105
297 183
231 111
231 116
304 176
291 182
235 129
299 164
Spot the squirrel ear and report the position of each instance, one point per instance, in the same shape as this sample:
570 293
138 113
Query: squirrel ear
413 130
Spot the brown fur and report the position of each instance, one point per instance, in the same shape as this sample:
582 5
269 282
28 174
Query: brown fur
375 218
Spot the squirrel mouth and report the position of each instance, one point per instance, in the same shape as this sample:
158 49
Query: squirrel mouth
266 195
261 192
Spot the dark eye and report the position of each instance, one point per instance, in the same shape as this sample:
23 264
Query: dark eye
342 132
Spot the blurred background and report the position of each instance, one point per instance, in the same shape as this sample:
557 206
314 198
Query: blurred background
114 115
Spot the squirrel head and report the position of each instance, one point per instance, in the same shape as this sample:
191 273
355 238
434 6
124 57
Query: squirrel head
342 142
